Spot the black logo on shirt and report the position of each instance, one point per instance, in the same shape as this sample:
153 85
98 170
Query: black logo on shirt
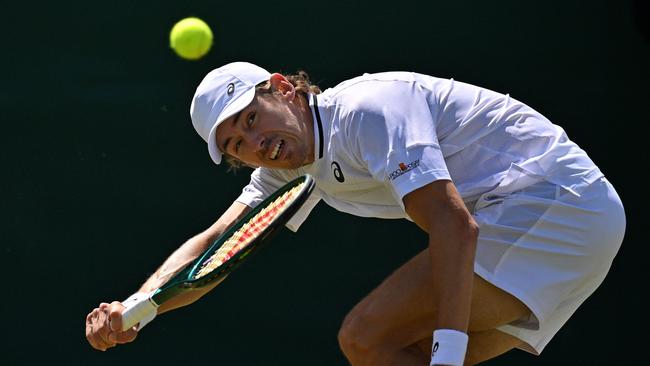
403 168
338 174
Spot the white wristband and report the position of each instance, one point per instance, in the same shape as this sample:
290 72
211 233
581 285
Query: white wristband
139 305
449 347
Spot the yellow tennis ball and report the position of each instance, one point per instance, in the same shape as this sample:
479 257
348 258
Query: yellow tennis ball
191 38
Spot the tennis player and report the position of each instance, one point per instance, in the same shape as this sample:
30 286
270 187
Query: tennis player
523 226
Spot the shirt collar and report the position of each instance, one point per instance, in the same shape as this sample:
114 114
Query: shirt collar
318 126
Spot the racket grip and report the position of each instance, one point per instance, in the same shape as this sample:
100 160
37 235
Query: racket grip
140 308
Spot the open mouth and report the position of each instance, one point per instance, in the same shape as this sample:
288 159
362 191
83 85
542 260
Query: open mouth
276 150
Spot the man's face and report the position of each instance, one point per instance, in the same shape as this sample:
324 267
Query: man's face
270 132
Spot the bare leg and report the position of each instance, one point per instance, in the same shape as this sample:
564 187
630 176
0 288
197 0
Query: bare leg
488 344
386 326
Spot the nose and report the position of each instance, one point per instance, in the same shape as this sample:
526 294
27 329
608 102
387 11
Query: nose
256 141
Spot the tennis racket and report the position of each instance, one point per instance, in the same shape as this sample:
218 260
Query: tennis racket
229 250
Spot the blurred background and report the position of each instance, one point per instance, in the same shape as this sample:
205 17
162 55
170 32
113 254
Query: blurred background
103 176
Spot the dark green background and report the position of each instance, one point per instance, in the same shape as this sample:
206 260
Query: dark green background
103 175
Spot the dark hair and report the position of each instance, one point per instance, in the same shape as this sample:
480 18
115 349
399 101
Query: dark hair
303 86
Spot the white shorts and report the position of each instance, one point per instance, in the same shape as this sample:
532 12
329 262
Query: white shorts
549 248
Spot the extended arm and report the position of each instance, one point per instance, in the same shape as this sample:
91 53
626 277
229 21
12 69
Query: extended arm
103 323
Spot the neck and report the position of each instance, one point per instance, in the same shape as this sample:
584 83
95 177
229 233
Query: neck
307 117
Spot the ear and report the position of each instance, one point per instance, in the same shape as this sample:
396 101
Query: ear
281 84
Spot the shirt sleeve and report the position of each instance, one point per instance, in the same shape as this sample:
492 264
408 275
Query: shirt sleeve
262 184
396 137
301 215
266 181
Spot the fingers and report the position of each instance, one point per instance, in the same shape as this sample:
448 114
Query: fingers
104 324
97 329
115 313
126 336
117 335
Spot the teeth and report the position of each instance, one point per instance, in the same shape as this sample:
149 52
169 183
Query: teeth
276 150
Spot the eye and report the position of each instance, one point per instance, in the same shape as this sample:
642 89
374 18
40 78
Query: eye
251 119
237 146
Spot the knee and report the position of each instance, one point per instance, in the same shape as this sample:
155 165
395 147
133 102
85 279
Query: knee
358 342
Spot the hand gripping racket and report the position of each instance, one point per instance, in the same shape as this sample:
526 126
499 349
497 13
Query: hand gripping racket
229 250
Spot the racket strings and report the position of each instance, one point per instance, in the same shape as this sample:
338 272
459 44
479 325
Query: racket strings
249 231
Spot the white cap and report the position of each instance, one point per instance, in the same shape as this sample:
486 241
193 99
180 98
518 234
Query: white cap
222 93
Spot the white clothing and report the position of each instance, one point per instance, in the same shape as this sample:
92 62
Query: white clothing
549 248
380 136
368 127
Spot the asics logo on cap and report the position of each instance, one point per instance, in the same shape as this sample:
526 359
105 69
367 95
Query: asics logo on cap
231 89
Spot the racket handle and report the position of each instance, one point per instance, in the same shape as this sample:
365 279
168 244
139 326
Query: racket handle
140 308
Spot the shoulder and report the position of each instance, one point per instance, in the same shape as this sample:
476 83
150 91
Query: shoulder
390 99
374 90
388 95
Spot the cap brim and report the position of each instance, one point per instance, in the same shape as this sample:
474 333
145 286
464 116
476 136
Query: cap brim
233 108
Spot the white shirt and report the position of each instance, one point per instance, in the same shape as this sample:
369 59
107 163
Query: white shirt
380 136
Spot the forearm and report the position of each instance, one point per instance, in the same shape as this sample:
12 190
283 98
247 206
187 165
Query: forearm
184 255
452 247
439 210
187 253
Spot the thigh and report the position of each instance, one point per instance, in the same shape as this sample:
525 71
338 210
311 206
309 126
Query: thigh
401 310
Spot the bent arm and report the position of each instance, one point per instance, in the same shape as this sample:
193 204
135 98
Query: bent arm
188 252
439 210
